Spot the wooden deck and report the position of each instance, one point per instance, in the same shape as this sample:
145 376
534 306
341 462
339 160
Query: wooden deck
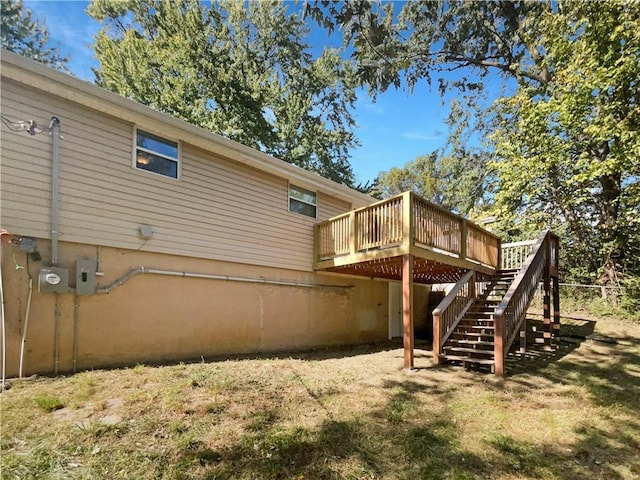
371 241
410 239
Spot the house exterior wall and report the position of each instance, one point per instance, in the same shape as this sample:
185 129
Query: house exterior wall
217 209
227 214
155 319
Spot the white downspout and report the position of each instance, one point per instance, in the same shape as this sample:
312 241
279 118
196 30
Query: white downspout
4 337
2 319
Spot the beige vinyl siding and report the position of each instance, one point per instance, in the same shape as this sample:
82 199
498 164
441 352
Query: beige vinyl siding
219 209
331 207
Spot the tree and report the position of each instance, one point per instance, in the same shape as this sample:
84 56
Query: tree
563 134
453 181
569 148
240 69
26 36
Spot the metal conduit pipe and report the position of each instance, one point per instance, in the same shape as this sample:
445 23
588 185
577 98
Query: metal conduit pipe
24 328
174 273
55 187
3 332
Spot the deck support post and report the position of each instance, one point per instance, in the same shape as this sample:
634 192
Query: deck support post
353 233
408 226
472 286
407 309
546 307
555 290
498 346
523 337
464 233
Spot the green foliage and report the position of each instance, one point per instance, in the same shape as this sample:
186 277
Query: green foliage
563 136
421 40
631 297
398 408
240 69
568 148
454 181
48 403
22 34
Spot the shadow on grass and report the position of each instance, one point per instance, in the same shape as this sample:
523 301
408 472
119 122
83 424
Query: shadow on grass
604 369
537 357
396 440
607 369
531 461
381 445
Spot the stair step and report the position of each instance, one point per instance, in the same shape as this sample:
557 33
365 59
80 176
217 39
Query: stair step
482 350
479 327
479 315
469 335
470 324
475 312
472 342
468 350
458 358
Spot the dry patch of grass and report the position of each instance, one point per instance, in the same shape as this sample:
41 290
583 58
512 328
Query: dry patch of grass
339 414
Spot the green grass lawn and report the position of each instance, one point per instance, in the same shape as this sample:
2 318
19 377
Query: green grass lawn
343 414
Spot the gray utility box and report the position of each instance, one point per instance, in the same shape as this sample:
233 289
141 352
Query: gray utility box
86 280
53 280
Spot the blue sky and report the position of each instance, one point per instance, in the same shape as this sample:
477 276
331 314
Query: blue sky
394 129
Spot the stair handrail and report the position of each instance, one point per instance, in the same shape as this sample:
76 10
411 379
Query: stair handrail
514 304
449 312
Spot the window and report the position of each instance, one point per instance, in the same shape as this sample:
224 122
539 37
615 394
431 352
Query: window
156 154
302 201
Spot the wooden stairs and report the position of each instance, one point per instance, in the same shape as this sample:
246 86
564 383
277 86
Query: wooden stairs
477 322
472 341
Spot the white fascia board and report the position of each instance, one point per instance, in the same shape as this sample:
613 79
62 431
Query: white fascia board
41 77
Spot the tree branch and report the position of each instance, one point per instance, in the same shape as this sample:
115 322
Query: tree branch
511 15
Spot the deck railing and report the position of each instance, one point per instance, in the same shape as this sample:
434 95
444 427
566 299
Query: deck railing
333 237
436 227
513 255
512 309
482 246
406 220
379 225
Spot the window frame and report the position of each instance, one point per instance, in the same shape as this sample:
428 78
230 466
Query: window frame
289 198
136 147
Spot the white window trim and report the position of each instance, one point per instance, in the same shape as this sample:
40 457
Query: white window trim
289 198
135 148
